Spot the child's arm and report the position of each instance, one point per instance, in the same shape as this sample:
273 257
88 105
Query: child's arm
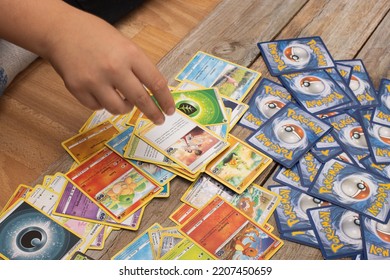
93 58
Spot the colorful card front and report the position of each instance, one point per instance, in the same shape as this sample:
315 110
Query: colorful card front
187 250
227 234
73 203
291 214
315 91
204 106
295 55
238 110
184 141
288 135
84 145
381 114
238 166
28 234
231 80
155 173
360 83
337 230
354 188
138 249
113 184
268 98
182 214
376 239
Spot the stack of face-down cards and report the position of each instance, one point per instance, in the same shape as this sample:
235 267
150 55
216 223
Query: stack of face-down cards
329 129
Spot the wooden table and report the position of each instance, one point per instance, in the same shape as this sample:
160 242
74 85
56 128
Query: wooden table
350 29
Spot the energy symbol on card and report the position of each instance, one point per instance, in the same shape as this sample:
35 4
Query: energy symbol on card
31 239
297 54
188 107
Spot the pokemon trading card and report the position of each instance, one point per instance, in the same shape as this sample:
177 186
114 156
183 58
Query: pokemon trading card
227 234
137 149
381 114
231 80
168 241
327 142
204 106
290 215
268 98
378 138
95 119
184 141
315 91
353 188
295 55
380 169
138 249
187 250
204 189
288 135
113 184
305 237
238 110
360 83
345 71
257 203
308 167
29 234
76 205
20 192
337 76
289 177
376 239
337 230
155 173
238 166
182 214
155 237
323 155
349 133
84 145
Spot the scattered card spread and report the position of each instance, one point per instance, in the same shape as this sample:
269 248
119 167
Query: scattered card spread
324 123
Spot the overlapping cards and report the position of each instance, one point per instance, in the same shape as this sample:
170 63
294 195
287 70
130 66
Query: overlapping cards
329 129
123 162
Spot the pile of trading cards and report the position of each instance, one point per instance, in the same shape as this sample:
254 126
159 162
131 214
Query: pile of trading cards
123 162
324 124
329 129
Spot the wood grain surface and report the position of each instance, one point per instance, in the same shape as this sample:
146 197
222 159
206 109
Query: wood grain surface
349 28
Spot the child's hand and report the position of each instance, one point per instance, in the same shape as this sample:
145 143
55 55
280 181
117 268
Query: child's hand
103 69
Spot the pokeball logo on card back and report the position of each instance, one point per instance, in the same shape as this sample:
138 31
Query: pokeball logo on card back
268 107
384 134
311 85
307 202
350 225
383 231
297 54
356 85
357 138
290 133
355 187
